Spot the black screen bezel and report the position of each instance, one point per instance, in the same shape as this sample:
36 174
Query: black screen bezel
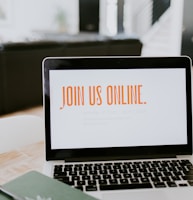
91 63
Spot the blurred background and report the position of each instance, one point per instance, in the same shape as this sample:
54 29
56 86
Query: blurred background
32 30
164 26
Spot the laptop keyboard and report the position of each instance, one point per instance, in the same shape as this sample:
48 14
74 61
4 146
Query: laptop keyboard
126 175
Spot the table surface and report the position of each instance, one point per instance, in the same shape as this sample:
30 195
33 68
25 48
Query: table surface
17 162
20 161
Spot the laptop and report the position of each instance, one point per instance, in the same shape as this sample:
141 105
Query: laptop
120 127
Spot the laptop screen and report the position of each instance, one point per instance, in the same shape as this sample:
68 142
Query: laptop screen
118 107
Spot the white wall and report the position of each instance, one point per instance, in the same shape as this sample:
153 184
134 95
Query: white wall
137 17
176 26
39 15
108 17
29 16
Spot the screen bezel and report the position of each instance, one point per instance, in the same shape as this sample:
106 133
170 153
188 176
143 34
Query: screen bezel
91 63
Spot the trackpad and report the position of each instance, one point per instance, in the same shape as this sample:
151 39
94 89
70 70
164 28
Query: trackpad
166 194
134 195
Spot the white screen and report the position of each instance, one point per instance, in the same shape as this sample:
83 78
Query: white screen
117 108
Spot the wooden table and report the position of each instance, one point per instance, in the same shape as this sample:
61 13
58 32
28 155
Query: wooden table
17 162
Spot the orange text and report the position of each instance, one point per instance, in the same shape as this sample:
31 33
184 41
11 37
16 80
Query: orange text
72 96
122 95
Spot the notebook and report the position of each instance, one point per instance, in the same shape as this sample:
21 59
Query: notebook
35 186
120 127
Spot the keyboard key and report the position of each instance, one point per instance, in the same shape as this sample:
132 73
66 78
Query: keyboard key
95 177
58 168
157 174
153 170
116 176
85 177
91 188
142 170
183 184
171 184
113 181
103 171
81 182
127 175
68 167
103 182
106 176
188 177
87 168
97 167
113 171
125 186
165 178
79 188
159 184
123 181
73 173
147 174
137 175
155 179
78 168
134 180
107 167
108 164
178 173
75 178
83 173
191 182
91 182
167 173
175 178
116 167
190 172
68 182
59 175
123 171
133 170
93 172
144 180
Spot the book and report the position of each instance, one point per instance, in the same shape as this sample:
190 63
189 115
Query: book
36 186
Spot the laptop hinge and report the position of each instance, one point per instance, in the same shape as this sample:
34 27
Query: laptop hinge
87 159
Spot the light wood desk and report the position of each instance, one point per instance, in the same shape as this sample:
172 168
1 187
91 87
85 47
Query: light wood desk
15 163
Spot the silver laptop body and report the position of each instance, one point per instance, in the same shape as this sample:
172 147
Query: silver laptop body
119 110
